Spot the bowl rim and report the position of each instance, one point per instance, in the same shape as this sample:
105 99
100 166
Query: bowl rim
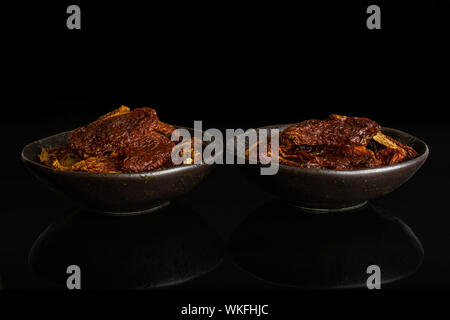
107 174
421 158
324 171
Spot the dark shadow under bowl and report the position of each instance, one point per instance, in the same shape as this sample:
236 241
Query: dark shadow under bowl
115 193
334 190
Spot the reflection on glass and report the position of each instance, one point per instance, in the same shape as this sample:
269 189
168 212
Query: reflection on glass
163 248
282 245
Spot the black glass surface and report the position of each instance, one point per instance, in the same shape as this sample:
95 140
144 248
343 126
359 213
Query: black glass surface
269 244
158 249
281 244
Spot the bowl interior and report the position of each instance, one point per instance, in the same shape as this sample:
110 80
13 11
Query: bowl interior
31 151
403 137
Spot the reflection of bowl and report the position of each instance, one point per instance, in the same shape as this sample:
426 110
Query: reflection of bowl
329 190
278 244
116 193
167 247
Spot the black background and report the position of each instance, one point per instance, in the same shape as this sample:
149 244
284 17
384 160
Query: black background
267 62
232 66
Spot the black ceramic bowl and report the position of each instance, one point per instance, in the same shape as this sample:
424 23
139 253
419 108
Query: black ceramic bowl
114 193
334 190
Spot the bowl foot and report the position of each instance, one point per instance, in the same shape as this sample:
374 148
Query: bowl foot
133 213
330 210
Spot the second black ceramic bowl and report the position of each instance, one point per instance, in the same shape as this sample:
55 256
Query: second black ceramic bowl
334 190
114 193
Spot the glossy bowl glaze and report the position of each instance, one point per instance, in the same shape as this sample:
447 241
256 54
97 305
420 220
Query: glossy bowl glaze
114 193
335 190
